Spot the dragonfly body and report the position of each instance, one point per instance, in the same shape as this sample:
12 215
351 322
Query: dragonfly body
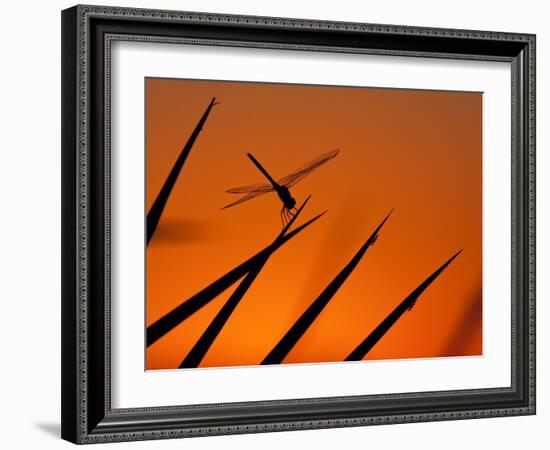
288 200
281 187
282 191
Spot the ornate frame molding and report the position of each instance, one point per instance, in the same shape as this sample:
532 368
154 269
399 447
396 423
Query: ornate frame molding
80 418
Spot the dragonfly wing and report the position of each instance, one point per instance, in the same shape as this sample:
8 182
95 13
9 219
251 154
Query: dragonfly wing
247 197
302 172
260 188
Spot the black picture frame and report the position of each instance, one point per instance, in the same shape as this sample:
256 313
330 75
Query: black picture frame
87 415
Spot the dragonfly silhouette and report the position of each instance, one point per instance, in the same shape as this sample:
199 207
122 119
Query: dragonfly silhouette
282 186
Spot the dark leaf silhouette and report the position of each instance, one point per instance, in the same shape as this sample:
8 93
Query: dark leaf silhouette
154 214
371 340
172 319
201 347
289 340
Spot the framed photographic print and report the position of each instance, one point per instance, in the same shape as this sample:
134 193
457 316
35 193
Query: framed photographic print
280 224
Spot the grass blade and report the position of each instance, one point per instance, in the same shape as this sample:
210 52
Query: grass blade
153 216
172 319
289 340
201 347
370 341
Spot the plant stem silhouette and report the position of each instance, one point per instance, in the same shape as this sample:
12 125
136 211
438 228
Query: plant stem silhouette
154 214
172 319
201 347
372 339
289 340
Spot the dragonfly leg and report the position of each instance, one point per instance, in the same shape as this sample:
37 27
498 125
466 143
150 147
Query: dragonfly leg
281 214
288 215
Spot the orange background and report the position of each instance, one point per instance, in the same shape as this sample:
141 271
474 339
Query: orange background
417 151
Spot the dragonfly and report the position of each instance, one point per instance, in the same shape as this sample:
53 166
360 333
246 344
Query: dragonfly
281 187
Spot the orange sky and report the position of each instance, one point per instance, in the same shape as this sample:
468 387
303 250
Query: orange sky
419 152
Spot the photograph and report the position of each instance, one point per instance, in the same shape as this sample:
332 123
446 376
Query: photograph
294 223
277 222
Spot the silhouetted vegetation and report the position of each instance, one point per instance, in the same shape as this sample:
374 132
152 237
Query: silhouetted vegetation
202 346
154 214
372 339
293 335
249 270
172 319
